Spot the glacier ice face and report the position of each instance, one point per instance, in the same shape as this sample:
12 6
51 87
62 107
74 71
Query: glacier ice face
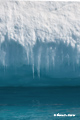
40 39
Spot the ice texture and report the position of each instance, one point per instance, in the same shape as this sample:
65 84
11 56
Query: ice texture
40 39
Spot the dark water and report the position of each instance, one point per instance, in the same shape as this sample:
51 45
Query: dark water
39 103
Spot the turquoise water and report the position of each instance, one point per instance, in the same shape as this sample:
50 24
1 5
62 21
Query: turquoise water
39 103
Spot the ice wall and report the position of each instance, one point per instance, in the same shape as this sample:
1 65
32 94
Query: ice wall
39 40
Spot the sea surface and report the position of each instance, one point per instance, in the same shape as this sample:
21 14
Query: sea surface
39 103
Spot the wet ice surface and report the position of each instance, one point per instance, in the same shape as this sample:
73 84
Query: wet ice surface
39 103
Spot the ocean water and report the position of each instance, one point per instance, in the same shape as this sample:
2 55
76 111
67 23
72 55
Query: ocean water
39 103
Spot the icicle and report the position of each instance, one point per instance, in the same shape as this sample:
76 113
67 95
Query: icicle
47 58
39 62
27 55
32 61
33 70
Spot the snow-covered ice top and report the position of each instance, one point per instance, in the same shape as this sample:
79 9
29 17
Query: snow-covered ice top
25 21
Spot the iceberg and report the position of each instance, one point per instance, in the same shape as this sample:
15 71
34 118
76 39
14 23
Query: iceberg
39 43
